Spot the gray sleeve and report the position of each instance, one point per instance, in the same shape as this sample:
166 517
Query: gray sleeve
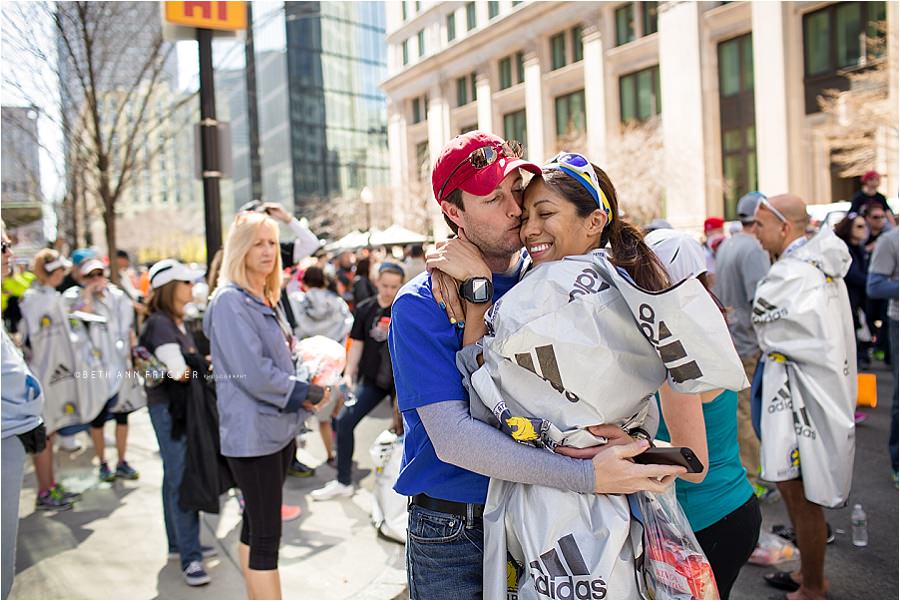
756 266
461 440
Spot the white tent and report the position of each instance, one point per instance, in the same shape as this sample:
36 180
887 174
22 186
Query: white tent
352 241
396 235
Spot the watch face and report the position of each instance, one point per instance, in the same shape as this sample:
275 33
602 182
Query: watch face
480 290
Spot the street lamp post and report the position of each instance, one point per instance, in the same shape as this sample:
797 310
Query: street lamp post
366 197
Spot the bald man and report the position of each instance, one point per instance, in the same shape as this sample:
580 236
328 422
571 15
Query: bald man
801 315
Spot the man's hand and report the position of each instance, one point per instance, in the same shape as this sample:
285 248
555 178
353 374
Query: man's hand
314 408
275 210
445 290
615 473
458 258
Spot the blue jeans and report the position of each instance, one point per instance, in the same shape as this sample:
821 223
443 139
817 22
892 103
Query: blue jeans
182 527
444 556
892 440
367 398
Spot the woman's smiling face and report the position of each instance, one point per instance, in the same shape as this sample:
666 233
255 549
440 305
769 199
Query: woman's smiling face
551 227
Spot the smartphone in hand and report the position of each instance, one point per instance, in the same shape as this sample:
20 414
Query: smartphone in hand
682 456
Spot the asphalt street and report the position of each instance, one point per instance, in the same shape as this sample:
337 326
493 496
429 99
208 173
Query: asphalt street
852 572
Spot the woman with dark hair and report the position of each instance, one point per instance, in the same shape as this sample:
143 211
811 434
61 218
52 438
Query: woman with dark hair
363 287
165 336
723 511
853 231
586 263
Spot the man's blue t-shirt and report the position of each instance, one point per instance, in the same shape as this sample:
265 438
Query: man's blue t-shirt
423 345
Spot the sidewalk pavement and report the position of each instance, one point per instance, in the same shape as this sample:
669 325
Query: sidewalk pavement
112 544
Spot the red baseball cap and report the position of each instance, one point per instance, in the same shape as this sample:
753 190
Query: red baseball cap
869 175
713 223
451 170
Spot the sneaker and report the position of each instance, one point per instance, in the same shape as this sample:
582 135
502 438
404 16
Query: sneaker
51 501
766 494
290 512
894 479
205 550
300 470
69 444
195 575
126 472
859 417
331 490
878 355
106 475
787 533
65 494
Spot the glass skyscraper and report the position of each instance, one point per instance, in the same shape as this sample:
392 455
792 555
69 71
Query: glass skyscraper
322 117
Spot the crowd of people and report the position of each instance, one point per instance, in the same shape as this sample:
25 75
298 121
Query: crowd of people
95 351
742 348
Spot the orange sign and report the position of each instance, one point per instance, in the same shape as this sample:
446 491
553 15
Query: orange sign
226 16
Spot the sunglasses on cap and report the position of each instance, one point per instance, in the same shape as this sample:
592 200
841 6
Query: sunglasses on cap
485 156
579 168
93 275
763 201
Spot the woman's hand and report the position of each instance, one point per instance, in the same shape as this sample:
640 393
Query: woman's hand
458 258
445 290
615 473
613 434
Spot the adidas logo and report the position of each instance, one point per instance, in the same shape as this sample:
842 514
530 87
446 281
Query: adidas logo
766 312
671 352
60 373
549 369
570 580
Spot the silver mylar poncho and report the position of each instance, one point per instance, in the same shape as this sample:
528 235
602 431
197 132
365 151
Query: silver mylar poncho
575 344
60 357
801 314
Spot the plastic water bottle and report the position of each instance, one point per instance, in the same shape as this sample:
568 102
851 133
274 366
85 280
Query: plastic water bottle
859 526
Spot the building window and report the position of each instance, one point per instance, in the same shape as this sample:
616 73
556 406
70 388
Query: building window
624 24
421 38
505 68
470 16
416 110
423 161
467 128
403 8
649 11
839 37
558 51
570 113
517 2
405 52
514 126
451 27
493 8
418 6
639 95
474 81
737 120
462 91
577 44
520 67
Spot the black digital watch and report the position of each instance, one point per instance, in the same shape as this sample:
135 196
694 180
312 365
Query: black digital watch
477 290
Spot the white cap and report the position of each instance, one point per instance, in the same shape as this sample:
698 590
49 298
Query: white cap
59 262
680 254
92 265
170 270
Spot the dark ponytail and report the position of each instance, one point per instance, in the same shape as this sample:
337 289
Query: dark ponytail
626 242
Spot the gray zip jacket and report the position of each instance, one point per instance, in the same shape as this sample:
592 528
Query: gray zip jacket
259 396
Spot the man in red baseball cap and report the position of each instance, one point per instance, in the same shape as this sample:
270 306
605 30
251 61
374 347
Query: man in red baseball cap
478 183
477 180
869 194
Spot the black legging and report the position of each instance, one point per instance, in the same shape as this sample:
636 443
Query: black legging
729 543
261 480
